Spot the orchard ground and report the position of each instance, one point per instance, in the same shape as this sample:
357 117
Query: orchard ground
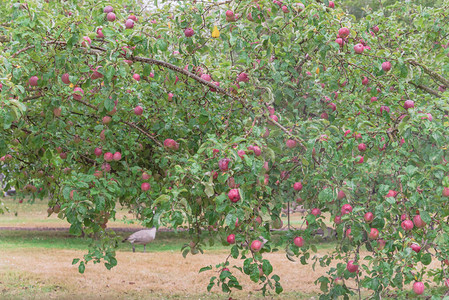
36 264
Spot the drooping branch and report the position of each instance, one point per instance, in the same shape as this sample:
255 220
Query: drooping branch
431 73
426 89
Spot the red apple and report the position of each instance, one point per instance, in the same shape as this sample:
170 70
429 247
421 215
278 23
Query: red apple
129 24
369 216
374 234
138 110
359 48
418 221
297 186
136 77
117 156
231 238
343 32
108 156
351 267
409 104
256 245
98 152
188 32
418 288
33 80
341 195
445 192
361 147
415 247
223 164
407 225
386 66
316 212
337 219
65 78
290 144
234 195
145 186
298 241
381 244
348 234
111 17
346 209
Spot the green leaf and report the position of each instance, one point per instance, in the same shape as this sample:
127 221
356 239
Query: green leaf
81 267
426 259
425 216
205 269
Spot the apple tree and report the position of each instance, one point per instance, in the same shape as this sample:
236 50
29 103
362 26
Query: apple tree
213 116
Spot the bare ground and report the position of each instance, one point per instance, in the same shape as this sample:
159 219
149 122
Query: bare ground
153 275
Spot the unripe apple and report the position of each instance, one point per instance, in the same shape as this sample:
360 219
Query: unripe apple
415 247
256 245
359 48
298 241
297 186
352 267
386 66
407 225
445 192
369 217
234 195
346 209
231 238
343 32
33 80
108 156
111 17
138 110
418 288
188 32
129 24
374 234
316 212
418 221
409 104
145 186
117 156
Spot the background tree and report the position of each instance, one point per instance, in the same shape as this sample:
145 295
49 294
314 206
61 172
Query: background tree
213 116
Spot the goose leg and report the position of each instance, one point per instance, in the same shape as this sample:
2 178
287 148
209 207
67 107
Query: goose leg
144 248
134 248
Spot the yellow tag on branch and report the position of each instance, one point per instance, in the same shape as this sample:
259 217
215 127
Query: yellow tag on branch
215 32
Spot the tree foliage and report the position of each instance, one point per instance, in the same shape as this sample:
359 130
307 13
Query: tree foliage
192 106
